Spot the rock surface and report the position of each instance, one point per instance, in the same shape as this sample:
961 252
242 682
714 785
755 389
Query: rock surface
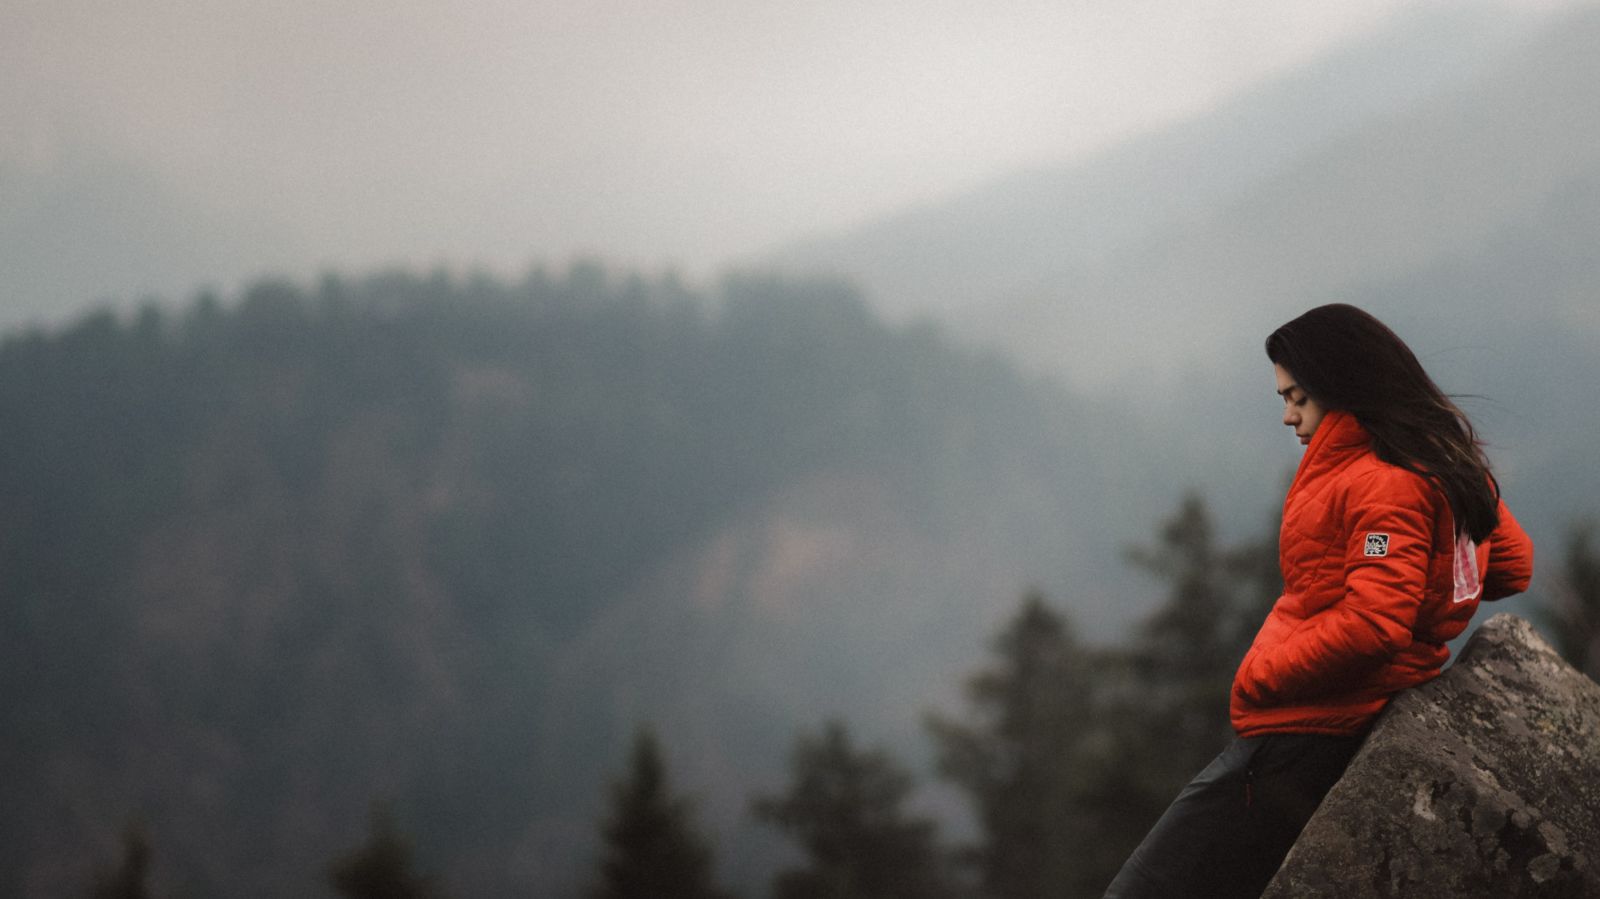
1484 782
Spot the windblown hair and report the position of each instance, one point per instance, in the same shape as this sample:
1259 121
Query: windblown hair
1345 359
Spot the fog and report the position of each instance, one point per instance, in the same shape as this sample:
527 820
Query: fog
486 381
231 140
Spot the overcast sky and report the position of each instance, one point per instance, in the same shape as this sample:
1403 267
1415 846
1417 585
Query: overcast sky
651 133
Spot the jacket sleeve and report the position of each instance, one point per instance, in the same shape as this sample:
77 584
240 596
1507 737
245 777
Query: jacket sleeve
1510 558
1388 530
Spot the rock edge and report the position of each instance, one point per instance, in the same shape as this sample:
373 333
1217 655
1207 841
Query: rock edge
1484 782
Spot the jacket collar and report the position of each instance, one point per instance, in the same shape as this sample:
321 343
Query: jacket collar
1337 436
1339 430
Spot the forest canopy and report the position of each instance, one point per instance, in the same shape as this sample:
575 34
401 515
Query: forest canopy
268 559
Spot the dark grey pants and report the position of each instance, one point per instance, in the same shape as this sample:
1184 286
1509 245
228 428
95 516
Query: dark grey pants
1229 829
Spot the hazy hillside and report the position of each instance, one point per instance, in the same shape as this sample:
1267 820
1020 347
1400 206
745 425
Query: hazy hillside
1462 136
1029 231
1467 221
1433 182
1456 196
447 542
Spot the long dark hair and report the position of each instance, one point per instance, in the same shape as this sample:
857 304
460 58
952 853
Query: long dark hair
1346 359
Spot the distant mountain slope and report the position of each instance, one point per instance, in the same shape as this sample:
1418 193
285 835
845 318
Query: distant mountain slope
1436 180
1462 208
957 257
447 542
1467 220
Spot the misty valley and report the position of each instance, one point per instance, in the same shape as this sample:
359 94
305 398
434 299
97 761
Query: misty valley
926 578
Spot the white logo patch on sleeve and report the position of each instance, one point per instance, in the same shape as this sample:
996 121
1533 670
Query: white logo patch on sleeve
1377 545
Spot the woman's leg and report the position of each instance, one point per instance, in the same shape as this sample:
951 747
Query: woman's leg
1181 856
1229 829
1290 775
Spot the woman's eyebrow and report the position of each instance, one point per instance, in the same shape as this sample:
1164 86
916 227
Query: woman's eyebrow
1285 391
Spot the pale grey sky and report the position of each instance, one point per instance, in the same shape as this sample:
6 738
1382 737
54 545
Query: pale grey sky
655 134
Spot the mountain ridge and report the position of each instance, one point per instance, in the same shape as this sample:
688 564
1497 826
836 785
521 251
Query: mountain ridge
935 259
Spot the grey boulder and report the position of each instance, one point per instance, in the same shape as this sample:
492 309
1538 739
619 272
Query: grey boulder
1484 782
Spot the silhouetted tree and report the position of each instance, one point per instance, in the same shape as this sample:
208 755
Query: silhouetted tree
1075 751
845 807
127 880
381 869
1163 702
1257 580
1573 619
1019 758
652 848
1186 652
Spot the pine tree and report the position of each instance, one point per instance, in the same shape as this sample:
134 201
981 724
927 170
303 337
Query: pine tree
127 881
1187 651
1163 701
651 846
1574 618
1258 581
1024 760
845 809
381 869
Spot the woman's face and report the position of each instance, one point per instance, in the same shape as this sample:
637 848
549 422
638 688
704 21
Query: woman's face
1300 411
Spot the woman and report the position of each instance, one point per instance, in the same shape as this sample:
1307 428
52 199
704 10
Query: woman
1393 530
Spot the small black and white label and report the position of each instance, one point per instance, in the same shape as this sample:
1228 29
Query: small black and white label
1377 544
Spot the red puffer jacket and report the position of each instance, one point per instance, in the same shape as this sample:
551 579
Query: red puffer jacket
1374 585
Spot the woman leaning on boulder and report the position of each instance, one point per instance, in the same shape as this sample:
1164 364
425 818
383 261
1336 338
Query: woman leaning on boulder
1393 531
